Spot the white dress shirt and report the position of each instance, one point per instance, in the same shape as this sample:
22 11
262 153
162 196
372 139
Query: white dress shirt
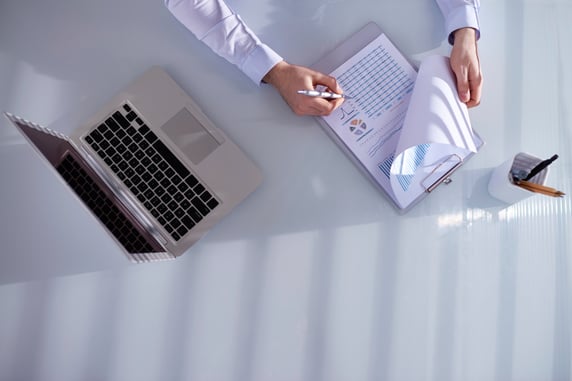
460 14
222 29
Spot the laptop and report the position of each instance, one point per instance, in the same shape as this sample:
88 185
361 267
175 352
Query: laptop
150 166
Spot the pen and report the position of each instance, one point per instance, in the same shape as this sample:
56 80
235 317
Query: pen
539 167
539 188
322 94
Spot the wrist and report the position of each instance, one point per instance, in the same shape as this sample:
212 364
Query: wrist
465 34
272 76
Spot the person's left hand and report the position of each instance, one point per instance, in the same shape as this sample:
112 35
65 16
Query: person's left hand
288 79
466 66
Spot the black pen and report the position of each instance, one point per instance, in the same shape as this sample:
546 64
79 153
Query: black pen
539 167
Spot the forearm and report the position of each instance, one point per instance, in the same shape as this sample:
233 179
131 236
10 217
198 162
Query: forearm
215 24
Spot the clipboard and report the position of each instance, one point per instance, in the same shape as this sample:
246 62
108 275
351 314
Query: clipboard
441 169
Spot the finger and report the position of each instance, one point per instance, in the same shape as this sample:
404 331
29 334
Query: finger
476 85
318 106
328 81
332 104
313 111
475 98
336 103
324 106
463 88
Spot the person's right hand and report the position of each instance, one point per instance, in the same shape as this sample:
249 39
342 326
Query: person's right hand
288 79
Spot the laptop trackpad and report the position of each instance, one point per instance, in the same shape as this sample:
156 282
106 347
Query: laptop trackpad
187 133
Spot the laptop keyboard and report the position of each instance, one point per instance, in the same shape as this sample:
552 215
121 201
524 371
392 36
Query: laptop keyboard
102 206
159 180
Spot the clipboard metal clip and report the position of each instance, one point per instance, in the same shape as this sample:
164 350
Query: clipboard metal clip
435 178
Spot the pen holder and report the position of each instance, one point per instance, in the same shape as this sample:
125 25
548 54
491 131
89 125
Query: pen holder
501 185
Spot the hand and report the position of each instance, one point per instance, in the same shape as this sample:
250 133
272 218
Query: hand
288 79
465 64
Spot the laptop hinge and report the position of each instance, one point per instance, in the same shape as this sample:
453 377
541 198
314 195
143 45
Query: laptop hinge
122 196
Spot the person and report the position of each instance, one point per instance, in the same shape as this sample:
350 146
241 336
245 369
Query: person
218 26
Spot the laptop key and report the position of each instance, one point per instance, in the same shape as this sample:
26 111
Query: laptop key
195 215
131 116
150 136
205 196
137 137
112 124
171 159
144 130
96 136
201 207
182 230
192 181
212 203
199 188
188 222
121 119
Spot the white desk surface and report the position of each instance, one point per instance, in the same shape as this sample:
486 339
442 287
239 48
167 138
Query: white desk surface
314 277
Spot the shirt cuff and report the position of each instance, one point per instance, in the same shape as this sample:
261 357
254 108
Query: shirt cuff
463 17
259 62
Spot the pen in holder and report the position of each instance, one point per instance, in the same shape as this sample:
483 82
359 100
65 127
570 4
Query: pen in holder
502 184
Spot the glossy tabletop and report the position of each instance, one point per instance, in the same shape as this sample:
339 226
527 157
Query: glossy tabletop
315 276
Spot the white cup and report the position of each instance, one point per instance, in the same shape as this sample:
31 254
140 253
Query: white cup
501 185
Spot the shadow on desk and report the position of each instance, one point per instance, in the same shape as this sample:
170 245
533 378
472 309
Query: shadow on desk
43 235
46 234
332 200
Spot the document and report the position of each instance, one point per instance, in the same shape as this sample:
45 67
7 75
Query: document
407 129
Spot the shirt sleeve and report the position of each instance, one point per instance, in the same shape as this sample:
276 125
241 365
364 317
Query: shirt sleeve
220 28
460 14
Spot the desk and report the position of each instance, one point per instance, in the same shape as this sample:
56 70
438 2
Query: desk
315 276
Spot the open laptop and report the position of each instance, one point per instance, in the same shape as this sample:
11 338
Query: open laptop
150 166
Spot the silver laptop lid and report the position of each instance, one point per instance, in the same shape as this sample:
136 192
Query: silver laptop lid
60 153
